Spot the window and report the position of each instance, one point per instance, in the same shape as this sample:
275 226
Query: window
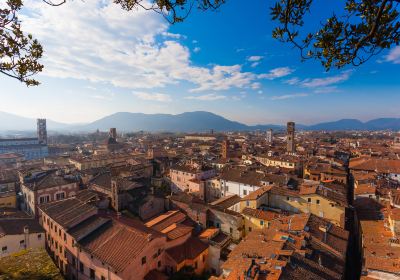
60 196
247 203
81 268
4 249
159 264
317 201
309 200
44 199
65 237
230 230
73 261
195 265
244 192
103 278
287 198
39 236
261 223
92 274
250 229
143 260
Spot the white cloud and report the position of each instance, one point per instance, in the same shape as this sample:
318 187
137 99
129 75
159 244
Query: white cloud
206 97
159 97
394 55
323 82
256 85
217 78
293 81
196 49
103 43
173 35
288 96
255 58
277 73
255 64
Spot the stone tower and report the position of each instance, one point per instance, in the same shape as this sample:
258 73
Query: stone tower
291 146
42 131
113 133
269 135
225 149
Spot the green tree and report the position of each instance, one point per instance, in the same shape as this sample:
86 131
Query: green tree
19 53
363 30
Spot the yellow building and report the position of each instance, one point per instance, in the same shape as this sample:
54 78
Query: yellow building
318 200
257 219
8 196
255 199
286 161
8 199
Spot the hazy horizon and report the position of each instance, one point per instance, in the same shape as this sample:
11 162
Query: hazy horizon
235 120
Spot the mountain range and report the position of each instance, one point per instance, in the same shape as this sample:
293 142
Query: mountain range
186 122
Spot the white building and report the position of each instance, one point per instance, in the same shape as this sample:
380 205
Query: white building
240 182
20 234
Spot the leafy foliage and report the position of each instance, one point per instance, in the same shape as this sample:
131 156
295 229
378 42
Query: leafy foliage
173 10
32 264
19 53
366 28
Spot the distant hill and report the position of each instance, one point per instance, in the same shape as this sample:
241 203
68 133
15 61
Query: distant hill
353 124
11 122
186 122
344 124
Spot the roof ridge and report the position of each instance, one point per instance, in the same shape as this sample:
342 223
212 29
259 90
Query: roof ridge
70 209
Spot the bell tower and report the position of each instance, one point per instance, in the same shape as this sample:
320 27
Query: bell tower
291 145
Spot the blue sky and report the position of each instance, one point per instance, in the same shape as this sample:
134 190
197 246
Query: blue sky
100 60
